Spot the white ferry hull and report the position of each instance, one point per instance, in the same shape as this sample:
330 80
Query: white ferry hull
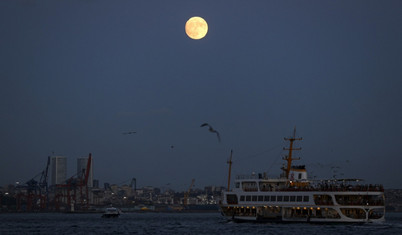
311 210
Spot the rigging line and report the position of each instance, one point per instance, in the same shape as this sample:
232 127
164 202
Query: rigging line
276 159
257 154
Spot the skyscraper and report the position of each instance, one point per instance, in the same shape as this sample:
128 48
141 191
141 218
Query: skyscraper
82 163
59 170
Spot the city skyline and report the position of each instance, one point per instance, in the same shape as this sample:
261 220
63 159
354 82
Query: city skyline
123 81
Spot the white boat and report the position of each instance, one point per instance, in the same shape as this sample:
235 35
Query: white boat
294 198
111 212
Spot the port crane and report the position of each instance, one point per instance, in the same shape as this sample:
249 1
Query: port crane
186 194
34 194
133 184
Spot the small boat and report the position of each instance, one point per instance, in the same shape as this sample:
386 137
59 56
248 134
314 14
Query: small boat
111 212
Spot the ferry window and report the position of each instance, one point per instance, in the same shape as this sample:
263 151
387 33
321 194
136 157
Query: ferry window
254 198
292 198
300 175
299 198
238 185
305 199
266 198
248 198
273 198
231 198
241 198
279 198
260 198
264 186
250 186
285 198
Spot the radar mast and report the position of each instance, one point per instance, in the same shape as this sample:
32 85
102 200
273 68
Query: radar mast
289 158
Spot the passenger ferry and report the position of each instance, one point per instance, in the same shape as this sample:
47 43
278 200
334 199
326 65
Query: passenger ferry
111 212
294 198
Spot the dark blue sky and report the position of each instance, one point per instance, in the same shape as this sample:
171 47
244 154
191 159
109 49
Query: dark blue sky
75 75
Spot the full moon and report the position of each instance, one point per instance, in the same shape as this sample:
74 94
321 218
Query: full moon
196 27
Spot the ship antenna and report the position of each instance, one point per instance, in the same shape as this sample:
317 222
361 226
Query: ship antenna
289 158
230 167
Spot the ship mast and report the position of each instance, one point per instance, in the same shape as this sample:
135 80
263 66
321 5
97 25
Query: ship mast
230 167
289 158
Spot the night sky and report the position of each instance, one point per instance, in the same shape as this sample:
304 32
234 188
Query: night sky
76 75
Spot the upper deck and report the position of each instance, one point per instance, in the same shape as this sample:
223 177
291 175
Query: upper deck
258 183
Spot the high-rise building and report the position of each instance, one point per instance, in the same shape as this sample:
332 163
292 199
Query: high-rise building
107 186
59 170
95 183
82 163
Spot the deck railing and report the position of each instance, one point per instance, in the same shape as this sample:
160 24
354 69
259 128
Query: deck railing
337 188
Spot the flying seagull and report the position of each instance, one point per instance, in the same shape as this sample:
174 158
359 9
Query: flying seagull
212 130
129 133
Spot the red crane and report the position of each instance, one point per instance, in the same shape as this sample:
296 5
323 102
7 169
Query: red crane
85 182
69 190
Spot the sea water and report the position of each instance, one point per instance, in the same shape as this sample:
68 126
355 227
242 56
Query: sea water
176 223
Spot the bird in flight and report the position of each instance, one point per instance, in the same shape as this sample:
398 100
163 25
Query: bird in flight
212 130
129 133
